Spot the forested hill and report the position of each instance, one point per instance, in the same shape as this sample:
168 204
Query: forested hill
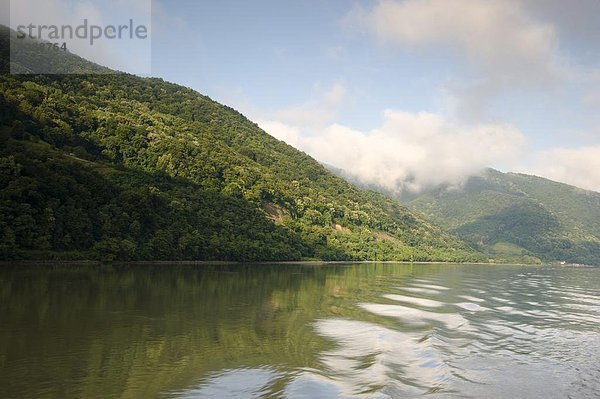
512 216
115 166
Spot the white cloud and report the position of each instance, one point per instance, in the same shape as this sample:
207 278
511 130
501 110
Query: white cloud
579 167
292 135
409 151
504 47
495 36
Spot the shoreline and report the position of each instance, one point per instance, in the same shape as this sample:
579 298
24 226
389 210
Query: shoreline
266 263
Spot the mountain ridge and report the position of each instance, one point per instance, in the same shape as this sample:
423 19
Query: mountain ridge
118 167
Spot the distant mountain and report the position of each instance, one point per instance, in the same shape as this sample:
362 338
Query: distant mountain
518 217
113 166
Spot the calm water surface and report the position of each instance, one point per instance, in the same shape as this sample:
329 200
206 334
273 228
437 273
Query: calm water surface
301 331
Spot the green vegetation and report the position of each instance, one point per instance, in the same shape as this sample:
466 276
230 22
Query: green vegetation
117 167
518 217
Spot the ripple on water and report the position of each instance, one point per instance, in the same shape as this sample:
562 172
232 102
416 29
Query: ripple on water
372 357
420 290
415 316
238 383
428 303
471 298
473 307
432 287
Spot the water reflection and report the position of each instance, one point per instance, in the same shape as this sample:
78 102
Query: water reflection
373 358
241 383
303 331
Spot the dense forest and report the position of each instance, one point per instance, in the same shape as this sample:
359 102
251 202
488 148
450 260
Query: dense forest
118 167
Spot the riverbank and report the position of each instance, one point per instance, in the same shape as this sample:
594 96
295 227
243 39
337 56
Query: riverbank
283 263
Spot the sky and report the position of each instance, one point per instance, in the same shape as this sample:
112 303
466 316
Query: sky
403 93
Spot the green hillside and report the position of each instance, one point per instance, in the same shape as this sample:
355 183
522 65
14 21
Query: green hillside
516 216
113 166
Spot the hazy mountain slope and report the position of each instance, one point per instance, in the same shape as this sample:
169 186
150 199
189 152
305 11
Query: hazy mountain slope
116 166
510 214
31 58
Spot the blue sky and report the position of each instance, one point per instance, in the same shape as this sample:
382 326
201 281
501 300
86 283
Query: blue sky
404 93
274 55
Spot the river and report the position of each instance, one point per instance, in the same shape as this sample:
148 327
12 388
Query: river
299 331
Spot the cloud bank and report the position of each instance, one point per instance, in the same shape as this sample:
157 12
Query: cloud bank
409 151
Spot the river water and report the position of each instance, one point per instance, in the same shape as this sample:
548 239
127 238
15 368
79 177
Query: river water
299 331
